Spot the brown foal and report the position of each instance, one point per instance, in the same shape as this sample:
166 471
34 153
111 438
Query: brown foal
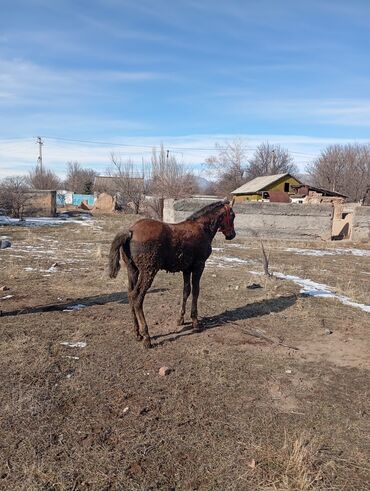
150 245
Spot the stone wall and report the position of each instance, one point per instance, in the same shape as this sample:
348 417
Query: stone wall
361 224
266 220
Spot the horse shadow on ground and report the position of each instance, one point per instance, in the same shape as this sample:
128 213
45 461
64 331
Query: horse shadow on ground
257 309
115 297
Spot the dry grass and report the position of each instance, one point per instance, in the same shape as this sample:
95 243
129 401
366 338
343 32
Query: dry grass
236 413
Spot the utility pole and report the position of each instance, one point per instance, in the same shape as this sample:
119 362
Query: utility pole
39 158
273 160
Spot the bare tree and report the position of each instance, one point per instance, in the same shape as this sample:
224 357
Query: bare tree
270 159
14 196
229 165
79 179
41 178
128 184
169 179
344 169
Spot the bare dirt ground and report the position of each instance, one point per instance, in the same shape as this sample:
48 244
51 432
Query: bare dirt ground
237 412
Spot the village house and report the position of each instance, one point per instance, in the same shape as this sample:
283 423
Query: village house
276 188
113 185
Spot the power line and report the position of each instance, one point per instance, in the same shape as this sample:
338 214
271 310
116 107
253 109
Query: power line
132 145
121 144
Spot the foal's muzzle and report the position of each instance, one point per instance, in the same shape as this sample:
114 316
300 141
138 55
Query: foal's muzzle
230 236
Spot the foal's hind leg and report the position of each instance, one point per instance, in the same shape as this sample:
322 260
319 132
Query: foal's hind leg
138 294
132 274
185 295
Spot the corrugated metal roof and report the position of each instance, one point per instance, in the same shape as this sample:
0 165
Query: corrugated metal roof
258 184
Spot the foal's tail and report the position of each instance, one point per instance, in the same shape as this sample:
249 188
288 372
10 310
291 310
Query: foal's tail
120 244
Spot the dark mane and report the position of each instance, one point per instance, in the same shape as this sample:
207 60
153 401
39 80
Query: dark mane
205 210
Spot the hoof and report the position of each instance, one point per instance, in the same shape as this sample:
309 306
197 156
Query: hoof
139 337
147 343
196 326
180 321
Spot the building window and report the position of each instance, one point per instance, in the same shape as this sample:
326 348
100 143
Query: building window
286 187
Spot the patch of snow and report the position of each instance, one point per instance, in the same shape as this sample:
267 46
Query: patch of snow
73 308
6 297
310 252
74 344
52 269
44 221
314 289
237 246
357 252
224 261
234 260
328 252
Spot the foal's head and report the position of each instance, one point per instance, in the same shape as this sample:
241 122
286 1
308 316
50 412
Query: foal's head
226 221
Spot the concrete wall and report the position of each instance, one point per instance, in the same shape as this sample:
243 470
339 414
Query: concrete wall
269 220
286 221
175 211
40 203
361 224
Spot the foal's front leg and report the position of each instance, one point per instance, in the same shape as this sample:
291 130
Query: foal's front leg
185 295
195 279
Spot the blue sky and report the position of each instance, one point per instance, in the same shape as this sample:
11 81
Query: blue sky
187 73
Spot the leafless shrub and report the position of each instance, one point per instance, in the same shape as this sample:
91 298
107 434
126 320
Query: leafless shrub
41 178
14 196
128 184
344 169
229 165
169 178
78 179
270 159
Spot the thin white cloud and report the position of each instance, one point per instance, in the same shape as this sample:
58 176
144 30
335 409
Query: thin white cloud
348 112
24 81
